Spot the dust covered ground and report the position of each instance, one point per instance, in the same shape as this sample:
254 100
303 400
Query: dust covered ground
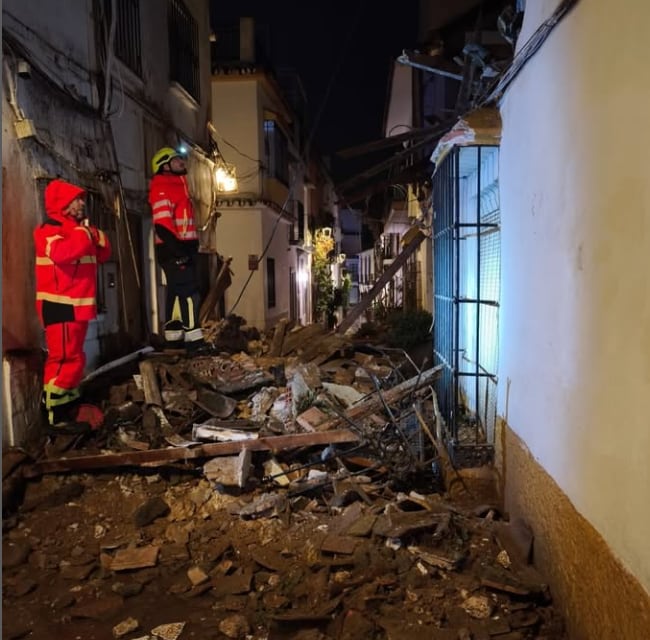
369 536
261 564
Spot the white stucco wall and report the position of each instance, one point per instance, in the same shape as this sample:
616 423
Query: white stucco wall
399 118
575 318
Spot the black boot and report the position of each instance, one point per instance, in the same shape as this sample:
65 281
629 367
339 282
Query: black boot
60 420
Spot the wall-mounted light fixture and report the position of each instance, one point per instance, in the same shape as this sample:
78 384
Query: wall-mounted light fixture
225 176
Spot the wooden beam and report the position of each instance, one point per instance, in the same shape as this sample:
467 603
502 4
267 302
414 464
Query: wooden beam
390 141
393 160
278 338
219 286
162 456
383 280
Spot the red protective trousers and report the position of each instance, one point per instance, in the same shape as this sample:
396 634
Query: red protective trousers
64 366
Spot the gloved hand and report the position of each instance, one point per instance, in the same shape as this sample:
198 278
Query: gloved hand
99 237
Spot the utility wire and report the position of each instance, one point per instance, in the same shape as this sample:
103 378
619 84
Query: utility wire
305 153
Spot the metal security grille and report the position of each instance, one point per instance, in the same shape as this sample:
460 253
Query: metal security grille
183 48
127 34
466 254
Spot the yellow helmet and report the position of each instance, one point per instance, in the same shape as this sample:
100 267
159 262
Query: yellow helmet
162 157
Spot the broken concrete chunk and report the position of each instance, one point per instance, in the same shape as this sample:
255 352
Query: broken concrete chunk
149 511
267 504
515 537
344 393
197 576
309 372
312 419
479 607
124 627
169 631
230 471
262 402
235 626
135 558
504 559
274 471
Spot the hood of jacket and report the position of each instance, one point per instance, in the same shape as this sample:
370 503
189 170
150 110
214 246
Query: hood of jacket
58 195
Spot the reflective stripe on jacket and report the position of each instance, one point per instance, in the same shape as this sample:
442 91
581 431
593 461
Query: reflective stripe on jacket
67 254
171 206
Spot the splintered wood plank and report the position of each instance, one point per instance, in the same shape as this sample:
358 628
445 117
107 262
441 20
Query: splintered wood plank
128 458
278 338
301 337
150 383
382 281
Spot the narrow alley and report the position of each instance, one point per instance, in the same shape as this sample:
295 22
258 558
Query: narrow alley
325 320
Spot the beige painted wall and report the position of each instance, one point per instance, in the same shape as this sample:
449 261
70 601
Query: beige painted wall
575 318
237 118
238 234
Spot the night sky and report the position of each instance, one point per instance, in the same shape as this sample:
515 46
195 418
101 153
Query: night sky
349 44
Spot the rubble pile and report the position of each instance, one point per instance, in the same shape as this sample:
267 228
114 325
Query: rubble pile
294 489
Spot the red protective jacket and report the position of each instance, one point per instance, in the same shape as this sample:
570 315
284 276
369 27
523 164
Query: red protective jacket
67 254
173 216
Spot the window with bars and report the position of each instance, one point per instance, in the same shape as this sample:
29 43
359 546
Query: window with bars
183 48
467 265
127 40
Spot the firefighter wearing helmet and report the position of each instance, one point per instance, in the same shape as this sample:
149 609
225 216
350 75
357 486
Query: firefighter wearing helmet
176 245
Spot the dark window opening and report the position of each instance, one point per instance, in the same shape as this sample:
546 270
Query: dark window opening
276 152
183 48
270 283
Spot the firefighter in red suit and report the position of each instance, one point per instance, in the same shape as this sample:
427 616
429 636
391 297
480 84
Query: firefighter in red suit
177 246
67 254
